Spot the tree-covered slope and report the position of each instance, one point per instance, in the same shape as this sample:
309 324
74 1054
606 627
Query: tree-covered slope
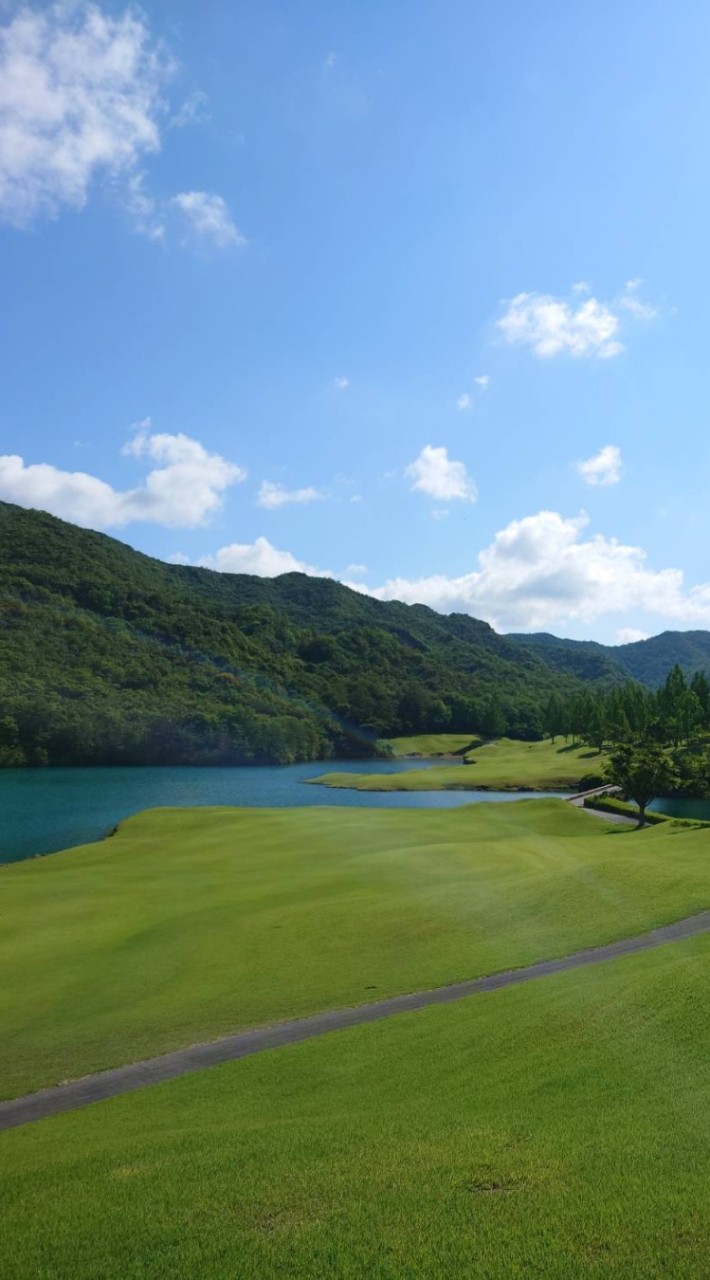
647 661
109 656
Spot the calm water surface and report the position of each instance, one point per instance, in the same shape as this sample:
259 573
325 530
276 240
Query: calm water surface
43 810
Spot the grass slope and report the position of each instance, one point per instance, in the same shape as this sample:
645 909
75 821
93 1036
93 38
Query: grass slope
496 766
557 1130
192 923
433 744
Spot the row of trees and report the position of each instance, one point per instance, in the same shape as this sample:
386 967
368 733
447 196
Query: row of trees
659 740
677 714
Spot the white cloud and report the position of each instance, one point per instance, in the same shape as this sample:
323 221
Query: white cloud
541 572
589 328
581 286
551 325
341 383
465 401
356 570
143 208
181 491
193 110
209 218
630 635
604 468
258 557
80 99
435 474
275 495
639 310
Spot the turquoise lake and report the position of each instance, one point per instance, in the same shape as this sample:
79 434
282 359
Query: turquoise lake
43 810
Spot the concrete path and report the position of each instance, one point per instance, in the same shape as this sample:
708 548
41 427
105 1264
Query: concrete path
108 1084
625 819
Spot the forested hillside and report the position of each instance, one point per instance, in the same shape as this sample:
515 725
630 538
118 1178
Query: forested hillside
109 656
648 661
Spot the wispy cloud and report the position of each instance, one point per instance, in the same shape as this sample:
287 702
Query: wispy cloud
439 476
209 218
481 383
81 99
341 383
272 495
604 468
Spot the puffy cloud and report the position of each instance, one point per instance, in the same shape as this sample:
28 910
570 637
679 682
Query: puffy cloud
181 491
630 635
464 402
209 218
588 328
604 468
80 97
258 557
437 475
275 495
483 381
541 572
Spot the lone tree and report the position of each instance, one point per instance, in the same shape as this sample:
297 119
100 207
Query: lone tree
642 772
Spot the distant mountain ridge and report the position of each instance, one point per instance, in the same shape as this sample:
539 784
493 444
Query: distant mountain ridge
647 661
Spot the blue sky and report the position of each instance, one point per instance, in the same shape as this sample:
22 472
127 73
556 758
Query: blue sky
412 294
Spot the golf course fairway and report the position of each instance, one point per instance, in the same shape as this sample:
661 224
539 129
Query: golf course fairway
506 764
559 1130
190 924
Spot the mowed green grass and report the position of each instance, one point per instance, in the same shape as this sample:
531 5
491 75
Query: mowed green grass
498 766
192 923
433 744
558 1130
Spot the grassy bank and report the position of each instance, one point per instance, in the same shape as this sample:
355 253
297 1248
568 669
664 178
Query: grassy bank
434 744
497 766
191 923
559 1130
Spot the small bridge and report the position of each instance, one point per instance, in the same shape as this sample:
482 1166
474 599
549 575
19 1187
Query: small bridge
609 790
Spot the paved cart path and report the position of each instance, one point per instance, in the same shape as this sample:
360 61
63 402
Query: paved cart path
108 1084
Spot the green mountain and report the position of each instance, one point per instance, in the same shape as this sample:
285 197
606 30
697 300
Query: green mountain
647 661
108 656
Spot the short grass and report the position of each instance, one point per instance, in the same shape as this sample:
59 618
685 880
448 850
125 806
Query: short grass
559 1130
434 744
496 766
191 923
